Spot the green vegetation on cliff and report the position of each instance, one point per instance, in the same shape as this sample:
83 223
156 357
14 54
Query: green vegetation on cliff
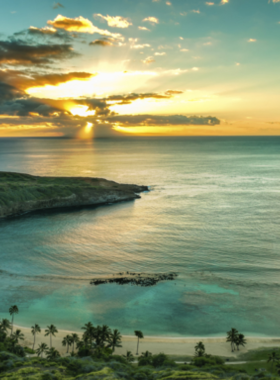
116 367
20 193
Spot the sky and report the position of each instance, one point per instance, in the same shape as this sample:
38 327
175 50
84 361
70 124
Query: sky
112 68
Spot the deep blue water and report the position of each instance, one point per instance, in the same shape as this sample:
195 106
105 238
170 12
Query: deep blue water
212 215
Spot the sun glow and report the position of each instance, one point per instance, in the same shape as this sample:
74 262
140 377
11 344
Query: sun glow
104 83
79 110
86 133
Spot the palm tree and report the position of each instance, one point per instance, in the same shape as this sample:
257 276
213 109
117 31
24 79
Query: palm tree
115 339
146 354
52 353
273 358
75 339
199 349
13 310
17 335
129 357
231 337
67 342
139 335
42 349
35 329
51 330
240 341
5 325
102 335
90 332
81 344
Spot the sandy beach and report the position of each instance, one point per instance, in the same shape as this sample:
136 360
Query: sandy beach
155 344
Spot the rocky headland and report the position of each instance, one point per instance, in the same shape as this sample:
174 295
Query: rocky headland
23 193
138 279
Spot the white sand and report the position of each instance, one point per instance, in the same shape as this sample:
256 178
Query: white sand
170 346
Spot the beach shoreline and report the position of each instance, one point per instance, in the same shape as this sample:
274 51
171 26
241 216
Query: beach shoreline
155 344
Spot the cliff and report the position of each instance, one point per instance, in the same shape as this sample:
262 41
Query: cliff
22 193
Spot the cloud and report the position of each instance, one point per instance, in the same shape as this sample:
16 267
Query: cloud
209 3
80 25
8 92
224 2
139 46
17 52
56 79
115 21
47 32
127 99
162 53
20 112
168 3
134 45
159 120
103 42
22 79
152 20
173 92
143 28
148 60
175 71
184 50
57 5
252 40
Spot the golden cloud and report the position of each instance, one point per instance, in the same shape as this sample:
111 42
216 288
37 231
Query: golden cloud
80 25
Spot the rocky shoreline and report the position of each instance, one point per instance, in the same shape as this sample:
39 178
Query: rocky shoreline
138 279
24 193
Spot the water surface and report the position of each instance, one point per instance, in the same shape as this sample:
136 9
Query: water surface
212 215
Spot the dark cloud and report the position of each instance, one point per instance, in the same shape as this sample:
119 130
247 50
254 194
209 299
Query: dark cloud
158 120
127 99
172 92
8 92
30 111
103 42
18 52
57 5
25 107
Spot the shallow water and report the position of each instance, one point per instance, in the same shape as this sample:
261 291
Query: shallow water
212 215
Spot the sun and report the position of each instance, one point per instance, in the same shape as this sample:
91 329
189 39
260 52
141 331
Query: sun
82 111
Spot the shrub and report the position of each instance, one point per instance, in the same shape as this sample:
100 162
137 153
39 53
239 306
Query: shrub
207 361
169 363
84 351
143 361
120 359
29 350
116 366
185 367
140 376
158 360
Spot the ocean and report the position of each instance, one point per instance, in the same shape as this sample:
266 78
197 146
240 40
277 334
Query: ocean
212 215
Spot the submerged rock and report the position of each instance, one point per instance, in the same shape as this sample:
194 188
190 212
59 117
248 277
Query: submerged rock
138 279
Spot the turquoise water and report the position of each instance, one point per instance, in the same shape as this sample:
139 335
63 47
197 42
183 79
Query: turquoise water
212 215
